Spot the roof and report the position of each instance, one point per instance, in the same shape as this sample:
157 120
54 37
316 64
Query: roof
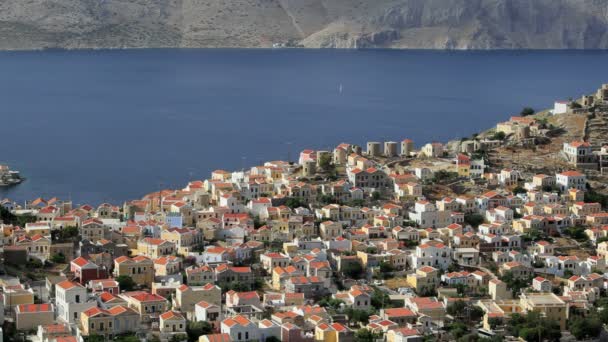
33 308
172 315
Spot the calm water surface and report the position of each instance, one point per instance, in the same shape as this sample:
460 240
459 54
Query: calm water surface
102 126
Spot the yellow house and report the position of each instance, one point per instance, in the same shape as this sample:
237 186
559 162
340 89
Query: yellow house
172 322
139 268
155 248
146 304
114 321
187 296
426 277
547 304
281 274
335 332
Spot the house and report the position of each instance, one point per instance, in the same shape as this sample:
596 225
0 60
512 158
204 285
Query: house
53 332
541 284
108 323
517 269
139 268
207 312
199 275
571 180
85 270
426 278
225 274
401 316
172 323
215 338
240 328
272 259
105 285
30 316
310 286
432 253
71 299
155 248
427 306
186 296
580 154
334 332
94 230
547 304
167 265
148 306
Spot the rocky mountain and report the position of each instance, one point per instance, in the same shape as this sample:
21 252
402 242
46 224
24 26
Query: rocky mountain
426 24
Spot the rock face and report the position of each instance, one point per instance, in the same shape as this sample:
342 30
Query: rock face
425 24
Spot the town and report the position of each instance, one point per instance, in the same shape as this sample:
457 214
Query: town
499 236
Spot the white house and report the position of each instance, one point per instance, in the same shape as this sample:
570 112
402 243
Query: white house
571 180
72 300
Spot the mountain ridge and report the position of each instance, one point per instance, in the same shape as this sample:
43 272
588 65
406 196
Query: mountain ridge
407 24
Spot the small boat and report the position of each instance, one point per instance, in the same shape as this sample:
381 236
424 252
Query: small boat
340 88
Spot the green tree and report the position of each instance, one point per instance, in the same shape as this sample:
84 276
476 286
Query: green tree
58 258
519 190
474 219
499 136
584 328
196 329
293 202
366 335
376 195
352 270
325 162
457 308
527 111
360 316
126 283
127 338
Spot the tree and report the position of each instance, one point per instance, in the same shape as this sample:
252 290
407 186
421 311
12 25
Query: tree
457 330
58 258
519 190
360 316
386 267
366 335
126 338
577 233
294 203
527 111
325 162
376 195
126 283
457 308
534 327
196 329
352 270
16 220
583 328
272 339
474 219
499 136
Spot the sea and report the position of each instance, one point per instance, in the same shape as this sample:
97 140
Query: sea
99 126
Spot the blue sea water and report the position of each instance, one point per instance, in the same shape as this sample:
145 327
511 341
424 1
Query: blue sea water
99 126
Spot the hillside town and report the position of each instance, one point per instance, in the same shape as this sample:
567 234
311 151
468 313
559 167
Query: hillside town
500 236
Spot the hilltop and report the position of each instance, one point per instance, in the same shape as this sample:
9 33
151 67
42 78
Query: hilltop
426 24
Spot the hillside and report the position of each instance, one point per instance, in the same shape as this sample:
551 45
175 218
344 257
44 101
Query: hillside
428 24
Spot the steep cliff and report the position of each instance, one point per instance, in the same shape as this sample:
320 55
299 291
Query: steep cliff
428 24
